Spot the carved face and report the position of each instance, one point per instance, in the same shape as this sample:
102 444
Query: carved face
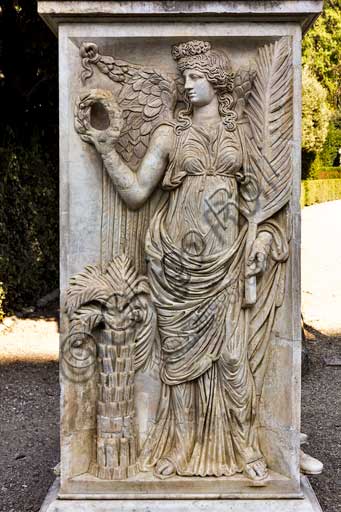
199 90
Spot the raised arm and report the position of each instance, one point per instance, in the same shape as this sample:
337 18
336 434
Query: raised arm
136 188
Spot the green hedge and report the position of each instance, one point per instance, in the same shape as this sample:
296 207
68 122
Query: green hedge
330 151
327 173
320 191
28 157
28 225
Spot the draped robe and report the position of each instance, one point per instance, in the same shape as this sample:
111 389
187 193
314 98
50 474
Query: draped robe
207 416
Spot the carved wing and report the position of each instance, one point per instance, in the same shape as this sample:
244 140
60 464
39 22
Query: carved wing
147 98
269 114
242 87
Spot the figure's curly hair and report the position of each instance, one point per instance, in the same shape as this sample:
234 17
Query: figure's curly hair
216 67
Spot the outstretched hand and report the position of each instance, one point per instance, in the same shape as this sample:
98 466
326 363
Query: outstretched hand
103 140
110 117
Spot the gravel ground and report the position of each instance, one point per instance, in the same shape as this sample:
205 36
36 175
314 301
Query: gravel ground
29 408
29 449
321 416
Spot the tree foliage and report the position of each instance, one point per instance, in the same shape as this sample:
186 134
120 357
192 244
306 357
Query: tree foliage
330 156
322 50
28 155
315 113
321 90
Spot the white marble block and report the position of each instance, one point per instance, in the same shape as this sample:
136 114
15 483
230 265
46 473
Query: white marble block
180 254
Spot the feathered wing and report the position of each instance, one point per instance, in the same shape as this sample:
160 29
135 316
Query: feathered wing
269 141
147 98
242 88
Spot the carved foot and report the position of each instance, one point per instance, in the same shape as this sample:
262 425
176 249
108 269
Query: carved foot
309 465
257 471
164 469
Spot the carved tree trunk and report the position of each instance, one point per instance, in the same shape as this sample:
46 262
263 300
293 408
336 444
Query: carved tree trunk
116 445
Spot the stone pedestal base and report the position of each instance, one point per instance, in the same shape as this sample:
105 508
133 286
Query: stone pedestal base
308 504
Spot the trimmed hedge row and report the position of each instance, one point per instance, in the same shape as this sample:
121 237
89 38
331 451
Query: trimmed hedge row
328 173
320 191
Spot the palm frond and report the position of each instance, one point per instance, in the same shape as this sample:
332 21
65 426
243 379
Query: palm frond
269 111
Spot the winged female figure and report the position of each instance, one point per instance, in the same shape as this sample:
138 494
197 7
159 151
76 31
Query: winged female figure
216 243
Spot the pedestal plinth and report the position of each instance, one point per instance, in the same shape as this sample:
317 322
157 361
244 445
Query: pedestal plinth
308 503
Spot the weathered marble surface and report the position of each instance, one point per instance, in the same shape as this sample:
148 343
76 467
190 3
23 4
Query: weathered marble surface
303 12
308 504
81 178
97 225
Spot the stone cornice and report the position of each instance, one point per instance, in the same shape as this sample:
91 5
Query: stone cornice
55 12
